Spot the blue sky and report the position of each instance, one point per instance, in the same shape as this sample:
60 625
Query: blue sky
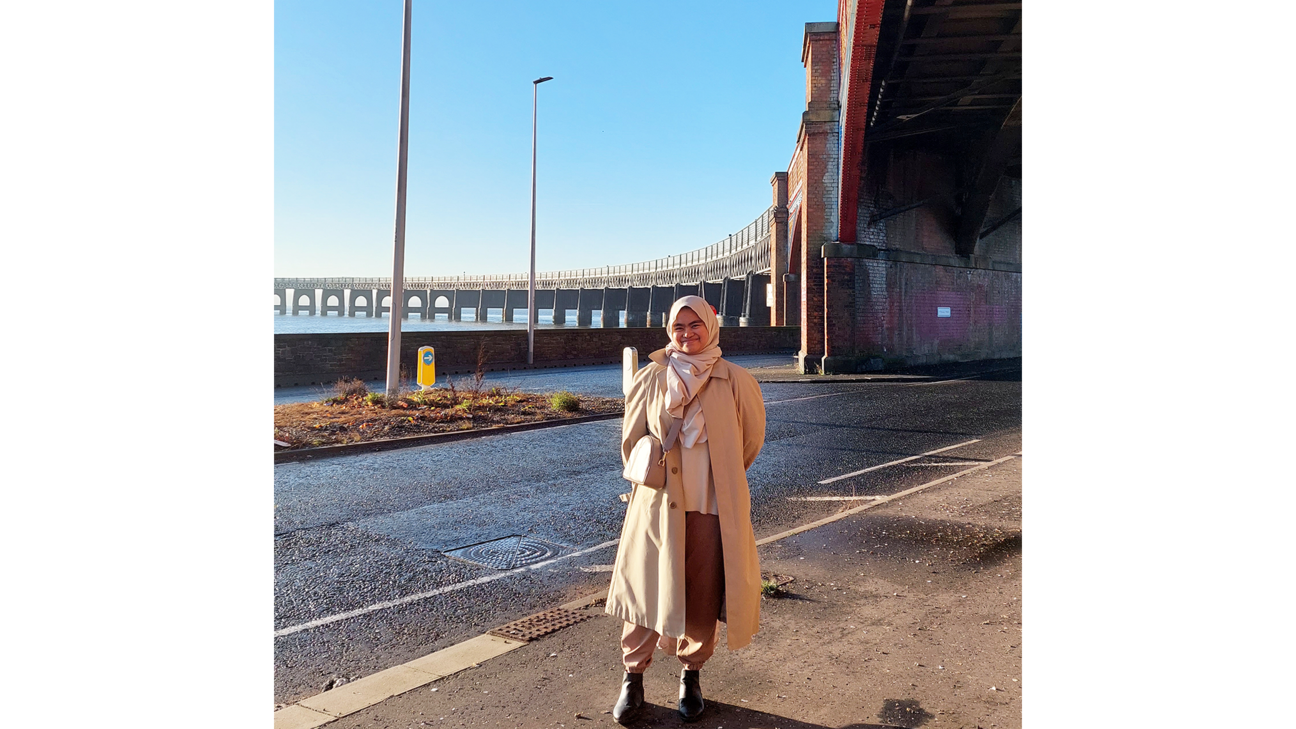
658 134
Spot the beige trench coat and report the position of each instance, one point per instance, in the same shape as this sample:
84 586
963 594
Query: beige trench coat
648 576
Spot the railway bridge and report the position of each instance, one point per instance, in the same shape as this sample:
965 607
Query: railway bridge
732 274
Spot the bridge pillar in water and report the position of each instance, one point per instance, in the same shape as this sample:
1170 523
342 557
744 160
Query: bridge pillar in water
379 308
409 295
614 302
712 293
354 305
514 299
492 299
544 300
732 293
433 308
682 290
467 299
638 300
298 306
564 300
327 308
659 304
586 301
755 311
282 306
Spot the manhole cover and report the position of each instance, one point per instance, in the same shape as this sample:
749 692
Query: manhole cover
540 624
507 553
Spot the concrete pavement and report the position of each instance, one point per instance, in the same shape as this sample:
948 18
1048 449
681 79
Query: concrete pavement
901 612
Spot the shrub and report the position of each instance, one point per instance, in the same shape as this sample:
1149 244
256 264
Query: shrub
376 398
350 388
770 588
565 401
345 389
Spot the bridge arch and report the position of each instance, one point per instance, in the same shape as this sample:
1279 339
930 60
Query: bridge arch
303 299
415 302
332 301
361 301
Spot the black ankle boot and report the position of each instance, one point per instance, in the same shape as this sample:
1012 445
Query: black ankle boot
631 700
690 704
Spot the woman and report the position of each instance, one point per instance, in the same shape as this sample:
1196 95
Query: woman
687 556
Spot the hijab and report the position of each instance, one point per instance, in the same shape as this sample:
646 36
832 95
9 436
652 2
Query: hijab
687 373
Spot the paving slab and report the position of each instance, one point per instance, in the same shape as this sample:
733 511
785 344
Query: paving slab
465 655
367 691
300 717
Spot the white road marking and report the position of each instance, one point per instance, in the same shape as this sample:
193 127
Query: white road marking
831 498
808 397
878 502
433 593
939 382
898 461
946 463
960 379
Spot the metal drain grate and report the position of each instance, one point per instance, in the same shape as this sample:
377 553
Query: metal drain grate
507 553
540 624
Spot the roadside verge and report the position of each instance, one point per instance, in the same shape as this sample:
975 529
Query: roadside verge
387 444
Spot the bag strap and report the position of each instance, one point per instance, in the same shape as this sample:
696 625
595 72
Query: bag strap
672 434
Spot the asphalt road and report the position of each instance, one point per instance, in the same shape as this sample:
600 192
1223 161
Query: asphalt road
360 540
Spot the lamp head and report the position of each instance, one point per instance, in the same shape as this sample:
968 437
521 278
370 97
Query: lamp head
542 80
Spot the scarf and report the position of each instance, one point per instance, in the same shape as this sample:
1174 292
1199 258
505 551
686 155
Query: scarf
687 373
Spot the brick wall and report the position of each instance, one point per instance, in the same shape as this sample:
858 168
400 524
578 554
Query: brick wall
307 359
896 314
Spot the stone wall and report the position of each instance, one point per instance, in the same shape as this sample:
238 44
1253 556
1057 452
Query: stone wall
307 359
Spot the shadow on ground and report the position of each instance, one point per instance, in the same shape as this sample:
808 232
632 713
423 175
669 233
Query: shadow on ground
897 713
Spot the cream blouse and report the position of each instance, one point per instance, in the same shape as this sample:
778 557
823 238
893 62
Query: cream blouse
699 483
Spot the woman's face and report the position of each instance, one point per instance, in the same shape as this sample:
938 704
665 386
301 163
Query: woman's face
688 332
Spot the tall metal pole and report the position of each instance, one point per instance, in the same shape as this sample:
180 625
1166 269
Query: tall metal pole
531 307
398 258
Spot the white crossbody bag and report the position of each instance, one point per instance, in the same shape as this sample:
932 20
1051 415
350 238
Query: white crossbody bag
647 462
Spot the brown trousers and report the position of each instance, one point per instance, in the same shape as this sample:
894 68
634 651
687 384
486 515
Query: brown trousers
703 594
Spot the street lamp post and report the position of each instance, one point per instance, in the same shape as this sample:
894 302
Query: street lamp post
398 258
531 307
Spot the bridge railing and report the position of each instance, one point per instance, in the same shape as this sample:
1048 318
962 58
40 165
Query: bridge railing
746 251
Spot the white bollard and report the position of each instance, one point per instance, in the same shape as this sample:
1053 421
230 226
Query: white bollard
629 366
